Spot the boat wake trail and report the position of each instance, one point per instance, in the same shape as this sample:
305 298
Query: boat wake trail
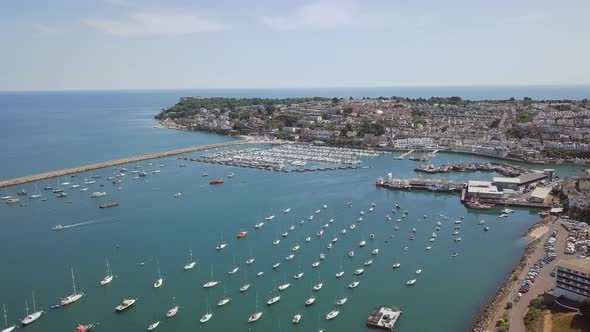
85 223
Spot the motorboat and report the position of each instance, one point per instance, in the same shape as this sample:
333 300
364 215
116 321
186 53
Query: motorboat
291 228
485 229
295 248
411 282
352 227
396 265
260 274
371 236
369 262
358 272
342 301
371 209
310 218
317 211
308 239
296 318
362 213
334 240
375 251
57 227
362 243
343 231
125 304
315 264
339 274
331 221
428 248
276 265
359 219
322 256
418 271
332 314
329 246
326 226
320 233
325 206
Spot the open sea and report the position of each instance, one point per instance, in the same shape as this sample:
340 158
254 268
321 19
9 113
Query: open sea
46 131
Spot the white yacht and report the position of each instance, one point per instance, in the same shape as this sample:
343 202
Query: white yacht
287 210
418 271
255 316
342 301
362 243
354 284
276 265
298 275
411 282
375 251
74 296
310 301
315 264
172 311
107 280
30 318
290 257
308 239
396 265
318 286
296 318
211 283
191 264
295 248
284 286
358 272
339 274
269 218
332 314
160 281
221 246
244 288
351 253
207 316
260 274
153 326
273 300
225 299
235 269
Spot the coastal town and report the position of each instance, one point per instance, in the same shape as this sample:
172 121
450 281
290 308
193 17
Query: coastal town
535 131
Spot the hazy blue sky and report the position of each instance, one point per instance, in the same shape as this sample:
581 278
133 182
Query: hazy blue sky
145 44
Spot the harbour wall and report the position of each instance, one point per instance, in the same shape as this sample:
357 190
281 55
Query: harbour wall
111 163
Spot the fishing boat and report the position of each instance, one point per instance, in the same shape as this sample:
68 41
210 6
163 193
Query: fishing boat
191 264
160 280
7 328
342 301
125 305
269 218
225 299
74 296
296 318
109 277
218 181
255 316
240 235
207 316
332 314
153 326
411 282
172 311
287 210
109 205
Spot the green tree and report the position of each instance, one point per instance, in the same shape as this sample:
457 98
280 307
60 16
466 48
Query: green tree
335 100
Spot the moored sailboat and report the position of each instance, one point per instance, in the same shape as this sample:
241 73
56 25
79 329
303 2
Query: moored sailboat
73 297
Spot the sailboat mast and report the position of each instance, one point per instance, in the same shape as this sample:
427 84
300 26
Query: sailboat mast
5 319
34 306
27 306
191 254
73 281
108 267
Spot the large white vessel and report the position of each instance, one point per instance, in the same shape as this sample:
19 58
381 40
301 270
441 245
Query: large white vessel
74 296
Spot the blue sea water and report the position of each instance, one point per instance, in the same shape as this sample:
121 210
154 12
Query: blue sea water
54 130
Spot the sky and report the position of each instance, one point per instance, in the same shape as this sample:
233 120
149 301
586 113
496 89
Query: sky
201 44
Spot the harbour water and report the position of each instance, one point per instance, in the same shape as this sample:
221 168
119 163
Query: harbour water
152 225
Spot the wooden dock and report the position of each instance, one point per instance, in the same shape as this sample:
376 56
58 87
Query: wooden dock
111 163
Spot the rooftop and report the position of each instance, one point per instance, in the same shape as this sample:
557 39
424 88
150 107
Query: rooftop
384 318
541 192
580 265
506 180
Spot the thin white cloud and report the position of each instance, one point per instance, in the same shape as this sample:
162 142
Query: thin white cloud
326 15
44 28
157 24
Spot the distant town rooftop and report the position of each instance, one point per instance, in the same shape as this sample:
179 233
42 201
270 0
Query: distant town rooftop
580 265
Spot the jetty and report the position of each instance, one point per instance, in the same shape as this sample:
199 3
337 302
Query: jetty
402 156
111 163
384 318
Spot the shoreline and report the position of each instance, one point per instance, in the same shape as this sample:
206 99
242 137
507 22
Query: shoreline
489 311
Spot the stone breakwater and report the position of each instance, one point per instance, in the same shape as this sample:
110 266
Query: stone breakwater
497 302
91 167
